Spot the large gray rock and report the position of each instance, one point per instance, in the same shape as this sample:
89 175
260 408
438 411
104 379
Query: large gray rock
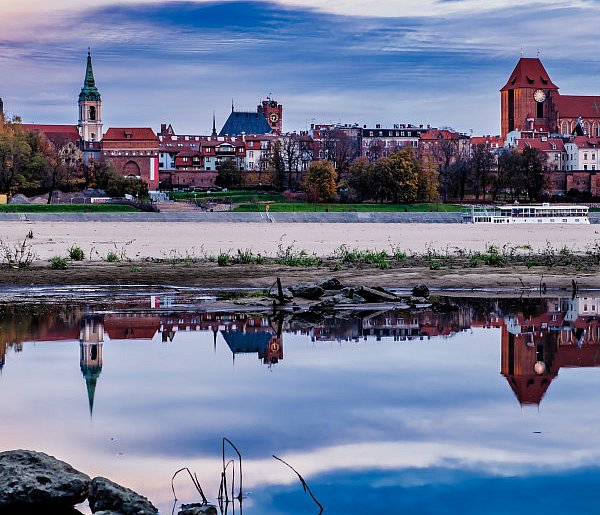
330 283
32 482
375 294
307 291
198 509
106 495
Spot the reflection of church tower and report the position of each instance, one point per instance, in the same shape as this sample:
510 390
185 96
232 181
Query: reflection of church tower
91 340
528 363
90 107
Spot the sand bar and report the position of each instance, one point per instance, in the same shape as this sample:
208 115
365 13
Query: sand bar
161 240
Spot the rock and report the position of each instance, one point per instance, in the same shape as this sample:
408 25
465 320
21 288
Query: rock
287 294
420 290
106 495
198 509
373 295
307 291
32 481
330 283
343 299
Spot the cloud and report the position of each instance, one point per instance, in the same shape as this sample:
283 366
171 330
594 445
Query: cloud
389 62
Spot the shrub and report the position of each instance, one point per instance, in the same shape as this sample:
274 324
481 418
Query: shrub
112 257
245 257
76 254
435 265
223 259
59 263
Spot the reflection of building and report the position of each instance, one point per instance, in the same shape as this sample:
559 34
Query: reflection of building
91 340
535 348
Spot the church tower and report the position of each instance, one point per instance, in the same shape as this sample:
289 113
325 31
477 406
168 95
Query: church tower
91 339
90 107
273 113
527 100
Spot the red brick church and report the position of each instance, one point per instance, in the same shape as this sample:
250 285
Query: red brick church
133 151
530 101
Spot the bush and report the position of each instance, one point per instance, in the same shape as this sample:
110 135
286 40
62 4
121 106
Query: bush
76 253
59 263
223 259
112 257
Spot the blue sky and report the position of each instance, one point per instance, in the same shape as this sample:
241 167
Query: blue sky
401 61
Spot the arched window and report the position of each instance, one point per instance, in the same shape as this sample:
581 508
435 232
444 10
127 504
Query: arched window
92 113
131 168
586 128
93 136
564 127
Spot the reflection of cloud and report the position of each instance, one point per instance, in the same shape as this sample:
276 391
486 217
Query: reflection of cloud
387 63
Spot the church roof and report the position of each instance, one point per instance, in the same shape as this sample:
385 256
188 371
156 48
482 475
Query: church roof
246 342
240 122
89 90
573 106
529 73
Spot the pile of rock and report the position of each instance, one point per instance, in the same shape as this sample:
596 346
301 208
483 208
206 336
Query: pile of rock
35 483
330 292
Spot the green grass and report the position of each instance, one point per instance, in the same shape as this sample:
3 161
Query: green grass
235 196
66 208
284 207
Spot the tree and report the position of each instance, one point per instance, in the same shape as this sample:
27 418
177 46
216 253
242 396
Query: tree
506 180
115 184
360 178
291 154
405 176
482 161
320 181
276 164
533 178
229 174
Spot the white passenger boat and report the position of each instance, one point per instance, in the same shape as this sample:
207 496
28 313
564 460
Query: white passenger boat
528 214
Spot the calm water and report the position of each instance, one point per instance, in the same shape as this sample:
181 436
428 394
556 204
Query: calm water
481 406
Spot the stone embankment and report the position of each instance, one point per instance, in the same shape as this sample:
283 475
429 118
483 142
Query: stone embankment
35 483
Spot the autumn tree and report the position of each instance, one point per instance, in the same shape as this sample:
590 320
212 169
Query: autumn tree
405 176
360 178
320 182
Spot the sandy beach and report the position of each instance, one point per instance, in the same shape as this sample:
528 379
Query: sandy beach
163 240
154 254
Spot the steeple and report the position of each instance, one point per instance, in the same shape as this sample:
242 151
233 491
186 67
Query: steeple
89 90
214 131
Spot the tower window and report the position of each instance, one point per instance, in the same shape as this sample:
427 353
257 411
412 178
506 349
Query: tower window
92 113
93 136
540 110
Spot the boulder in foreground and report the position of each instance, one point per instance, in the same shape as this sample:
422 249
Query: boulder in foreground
106 495
33 482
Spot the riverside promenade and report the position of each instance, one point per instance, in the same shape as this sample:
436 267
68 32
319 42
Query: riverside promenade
232 217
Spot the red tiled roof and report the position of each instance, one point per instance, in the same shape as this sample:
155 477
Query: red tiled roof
573 106
540 144
137 134
435 134
59 135
586 142
487 140
529 73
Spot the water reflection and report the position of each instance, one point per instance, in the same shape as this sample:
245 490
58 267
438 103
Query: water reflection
374 398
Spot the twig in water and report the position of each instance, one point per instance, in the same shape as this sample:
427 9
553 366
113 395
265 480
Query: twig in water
195 481
304 485
240 496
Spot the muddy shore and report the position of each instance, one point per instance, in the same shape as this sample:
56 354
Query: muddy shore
210 275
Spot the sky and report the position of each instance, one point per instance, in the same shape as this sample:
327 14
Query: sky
438 62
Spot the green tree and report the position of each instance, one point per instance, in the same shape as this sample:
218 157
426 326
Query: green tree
230 175
320 181
115 184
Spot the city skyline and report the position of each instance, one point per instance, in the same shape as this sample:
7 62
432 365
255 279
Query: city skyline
176 62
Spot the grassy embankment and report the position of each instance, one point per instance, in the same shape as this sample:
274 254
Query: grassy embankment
66 208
